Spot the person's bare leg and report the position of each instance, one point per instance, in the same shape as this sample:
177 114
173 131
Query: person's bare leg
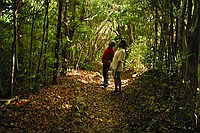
119 81
115 80
120 85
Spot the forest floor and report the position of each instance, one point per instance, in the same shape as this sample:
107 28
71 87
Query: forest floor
78 104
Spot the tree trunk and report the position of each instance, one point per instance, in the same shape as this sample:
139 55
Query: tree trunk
193 49
156 38
199 71
181 38
130 33
65 52
31 45
172 36
41 49
46 38
193 41
14 50
65 17
58 37
72 29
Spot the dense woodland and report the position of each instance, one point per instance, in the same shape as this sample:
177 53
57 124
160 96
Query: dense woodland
42 40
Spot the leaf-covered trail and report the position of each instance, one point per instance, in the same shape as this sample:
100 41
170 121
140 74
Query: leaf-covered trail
77 104
102 113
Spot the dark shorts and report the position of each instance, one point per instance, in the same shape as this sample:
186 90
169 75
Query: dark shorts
117 76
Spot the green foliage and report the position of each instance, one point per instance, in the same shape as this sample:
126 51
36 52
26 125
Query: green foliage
135 56
84 32
156 103
6 53
85 39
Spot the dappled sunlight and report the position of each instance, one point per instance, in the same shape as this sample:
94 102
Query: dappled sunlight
66 106
83 81
77 100
55 56
21 102
96 78
125 82
86 77
106 121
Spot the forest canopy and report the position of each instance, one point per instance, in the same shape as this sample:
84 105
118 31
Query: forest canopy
41 40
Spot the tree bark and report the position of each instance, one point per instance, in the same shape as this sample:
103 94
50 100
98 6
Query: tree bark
156 37
31 45
199 70
181 38
46 38
65 52
193 50
72 29
14 49
193 41
58 37
41 49
172 37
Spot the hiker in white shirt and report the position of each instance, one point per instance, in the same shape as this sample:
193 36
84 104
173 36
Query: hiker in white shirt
118 65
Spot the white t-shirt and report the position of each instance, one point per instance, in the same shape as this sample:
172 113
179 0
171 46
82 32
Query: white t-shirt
119 56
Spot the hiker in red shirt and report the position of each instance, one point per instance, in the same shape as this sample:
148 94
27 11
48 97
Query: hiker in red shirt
106 60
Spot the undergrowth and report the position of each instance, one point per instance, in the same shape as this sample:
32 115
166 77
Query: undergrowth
156 102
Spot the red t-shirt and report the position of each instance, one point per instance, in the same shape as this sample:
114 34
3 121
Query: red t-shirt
107 56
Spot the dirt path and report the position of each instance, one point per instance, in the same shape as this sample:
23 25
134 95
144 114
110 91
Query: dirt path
76 105
102 113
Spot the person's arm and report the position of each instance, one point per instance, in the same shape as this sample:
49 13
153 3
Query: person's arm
120 59
112 54
119 63
104 54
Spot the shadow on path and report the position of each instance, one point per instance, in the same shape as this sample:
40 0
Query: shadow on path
77 104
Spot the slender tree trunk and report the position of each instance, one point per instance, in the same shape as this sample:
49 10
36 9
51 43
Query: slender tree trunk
31 45
65 52
189 17
176 45
72 29
172 36
199 73
46 39
14 50
58 37
69 32
168 38
41 51
65 17
156 38
182 37
130 34
161 46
